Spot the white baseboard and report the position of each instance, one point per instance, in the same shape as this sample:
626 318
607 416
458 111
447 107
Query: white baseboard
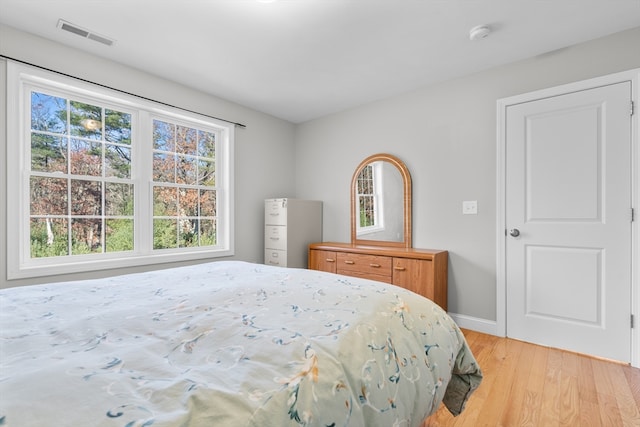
490 327
475 324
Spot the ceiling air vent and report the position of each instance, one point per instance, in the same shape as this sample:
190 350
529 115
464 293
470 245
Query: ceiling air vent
72 28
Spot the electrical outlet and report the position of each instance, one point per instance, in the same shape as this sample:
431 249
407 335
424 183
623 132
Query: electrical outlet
470 207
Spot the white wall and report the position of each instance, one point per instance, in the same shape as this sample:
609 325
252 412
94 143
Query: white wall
264 150
446 134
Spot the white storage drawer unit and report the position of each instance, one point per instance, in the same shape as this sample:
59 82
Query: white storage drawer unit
290 225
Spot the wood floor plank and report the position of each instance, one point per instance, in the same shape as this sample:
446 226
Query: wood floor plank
589 414
569 389
601 377
535 386
627 405
550 406
515 411
527 385
586 383
633 379
589 409
609 411
506 354
530 409
569 402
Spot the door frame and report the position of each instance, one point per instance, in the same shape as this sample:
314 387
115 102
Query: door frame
501 289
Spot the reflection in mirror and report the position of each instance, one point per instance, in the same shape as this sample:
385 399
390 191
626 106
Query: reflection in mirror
381 202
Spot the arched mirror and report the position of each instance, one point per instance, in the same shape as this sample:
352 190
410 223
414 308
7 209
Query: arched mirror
381 202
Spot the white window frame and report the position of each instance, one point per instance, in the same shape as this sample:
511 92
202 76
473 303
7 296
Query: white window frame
378 202
21 79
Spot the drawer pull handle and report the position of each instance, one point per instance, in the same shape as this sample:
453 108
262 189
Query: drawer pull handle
330 260
274 238
349 262
399 268
374 265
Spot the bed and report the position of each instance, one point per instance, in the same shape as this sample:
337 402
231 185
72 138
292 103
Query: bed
228 343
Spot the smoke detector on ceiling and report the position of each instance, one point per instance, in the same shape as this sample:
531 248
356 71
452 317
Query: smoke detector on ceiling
479 32
82 32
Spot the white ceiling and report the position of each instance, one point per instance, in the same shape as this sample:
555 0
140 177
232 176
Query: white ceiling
302 59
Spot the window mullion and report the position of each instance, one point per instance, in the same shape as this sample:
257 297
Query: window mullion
143 179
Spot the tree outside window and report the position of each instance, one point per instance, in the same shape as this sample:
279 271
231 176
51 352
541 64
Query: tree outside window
81 193
184 192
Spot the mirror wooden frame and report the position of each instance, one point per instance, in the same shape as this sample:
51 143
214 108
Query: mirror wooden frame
406 178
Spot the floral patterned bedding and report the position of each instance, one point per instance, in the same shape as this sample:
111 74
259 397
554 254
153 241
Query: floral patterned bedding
228 343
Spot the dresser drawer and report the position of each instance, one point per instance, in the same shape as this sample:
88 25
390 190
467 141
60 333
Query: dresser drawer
415 275
322 260
275 237
367 266
275 257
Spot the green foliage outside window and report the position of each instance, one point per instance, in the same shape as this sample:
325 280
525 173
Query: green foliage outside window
82 193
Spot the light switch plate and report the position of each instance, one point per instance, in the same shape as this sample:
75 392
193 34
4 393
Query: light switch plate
470 207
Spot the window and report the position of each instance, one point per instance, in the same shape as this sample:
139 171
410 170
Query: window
107 180
184 194
80 187
369 184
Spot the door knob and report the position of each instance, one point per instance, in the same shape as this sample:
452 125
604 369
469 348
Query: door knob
514 232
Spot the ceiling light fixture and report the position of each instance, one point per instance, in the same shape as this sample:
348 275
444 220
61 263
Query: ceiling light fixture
479 32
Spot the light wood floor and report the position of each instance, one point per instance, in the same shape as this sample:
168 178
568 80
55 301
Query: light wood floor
529 385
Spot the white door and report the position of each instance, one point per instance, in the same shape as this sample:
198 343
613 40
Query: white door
568 218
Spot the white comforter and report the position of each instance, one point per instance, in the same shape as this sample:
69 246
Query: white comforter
227 344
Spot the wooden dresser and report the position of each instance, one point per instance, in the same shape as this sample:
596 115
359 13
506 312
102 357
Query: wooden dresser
423 271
